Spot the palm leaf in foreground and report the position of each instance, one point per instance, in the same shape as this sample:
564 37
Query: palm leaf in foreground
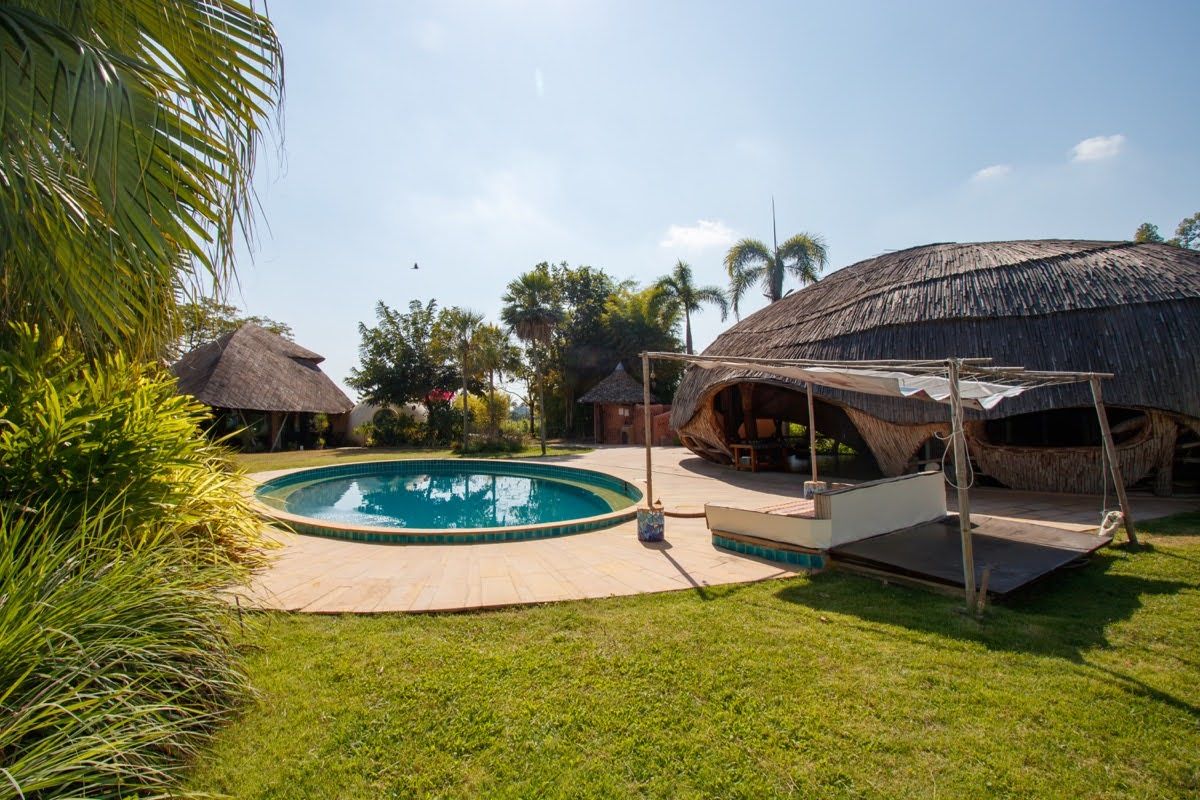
127 141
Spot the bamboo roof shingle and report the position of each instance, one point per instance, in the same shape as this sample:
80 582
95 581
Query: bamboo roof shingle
1121 307
252 368
618 387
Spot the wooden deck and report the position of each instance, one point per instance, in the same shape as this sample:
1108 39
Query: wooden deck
1017 552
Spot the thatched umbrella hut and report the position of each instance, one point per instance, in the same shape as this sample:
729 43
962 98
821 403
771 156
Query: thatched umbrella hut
617 401
1131 309
257 379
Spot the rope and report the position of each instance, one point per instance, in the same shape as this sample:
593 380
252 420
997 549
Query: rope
946 450
1109 520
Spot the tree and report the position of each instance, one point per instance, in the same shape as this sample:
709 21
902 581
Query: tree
750 261
1147 232
497 357
207 320
582 353
681 287
399 362
646 319
532 310
1187 234
125 166
456 330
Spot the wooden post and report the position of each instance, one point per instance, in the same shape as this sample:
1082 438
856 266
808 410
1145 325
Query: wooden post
649 430
1110 449
812 435
959 434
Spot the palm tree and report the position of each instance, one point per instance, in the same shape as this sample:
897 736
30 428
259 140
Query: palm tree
458 329
750 261
680 287
531 310
496 356
129 134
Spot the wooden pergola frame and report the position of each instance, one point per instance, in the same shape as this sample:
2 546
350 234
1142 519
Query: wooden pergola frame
955 370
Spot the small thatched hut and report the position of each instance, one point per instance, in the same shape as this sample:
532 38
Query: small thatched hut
1131 309
255 379
617 401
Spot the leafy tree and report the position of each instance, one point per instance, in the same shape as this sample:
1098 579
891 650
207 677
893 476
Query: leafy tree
457 330
127 157
750 261
208 319
532 309
582 352
497 357
1187 234
647 319
1147 232
399 361
680 286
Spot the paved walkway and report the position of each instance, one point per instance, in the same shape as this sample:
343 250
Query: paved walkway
320 575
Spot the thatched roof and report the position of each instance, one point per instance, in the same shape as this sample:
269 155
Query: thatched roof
255 369
618 387
1132 309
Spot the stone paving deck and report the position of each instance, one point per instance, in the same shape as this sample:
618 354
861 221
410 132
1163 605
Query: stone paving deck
319 575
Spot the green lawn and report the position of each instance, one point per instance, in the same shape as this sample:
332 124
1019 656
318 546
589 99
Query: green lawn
830 686
261 462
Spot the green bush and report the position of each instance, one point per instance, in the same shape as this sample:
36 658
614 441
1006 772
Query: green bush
390 429
119 525
116 660
487 413
77 435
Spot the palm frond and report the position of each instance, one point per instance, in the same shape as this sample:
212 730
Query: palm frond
804 256
713 296
126 156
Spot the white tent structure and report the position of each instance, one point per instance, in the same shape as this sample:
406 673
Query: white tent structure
960 383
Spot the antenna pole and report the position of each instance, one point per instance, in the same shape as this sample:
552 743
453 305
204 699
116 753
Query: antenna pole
774 231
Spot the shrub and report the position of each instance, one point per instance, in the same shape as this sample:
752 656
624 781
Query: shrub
116 660
487 413
119 524
111 434
391 429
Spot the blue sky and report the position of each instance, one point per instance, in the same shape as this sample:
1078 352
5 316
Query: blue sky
481 138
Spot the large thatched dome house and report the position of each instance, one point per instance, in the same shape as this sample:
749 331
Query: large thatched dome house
1131 309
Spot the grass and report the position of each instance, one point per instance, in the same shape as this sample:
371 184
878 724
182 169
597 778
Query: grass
292 459
830 686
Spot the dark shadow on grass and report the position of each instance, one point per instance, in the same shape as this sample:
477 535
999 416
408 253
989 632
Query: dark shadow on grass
1063 616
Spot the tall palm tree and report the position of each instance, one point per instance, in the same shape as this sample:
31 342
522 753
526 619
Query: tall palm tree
681 287
750 261
127 141
496 356
458 329
532 310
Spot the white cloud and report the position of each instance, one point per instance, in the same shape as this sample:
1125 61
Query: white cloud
704 234
539 83
1097 148
991 173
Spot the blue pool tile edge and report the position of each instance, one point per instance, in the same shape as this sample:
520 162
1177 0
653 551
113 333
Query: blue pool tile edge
813 561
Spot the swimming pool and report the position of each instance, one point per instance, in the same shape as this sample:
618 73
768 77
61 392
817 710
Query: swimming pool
446 501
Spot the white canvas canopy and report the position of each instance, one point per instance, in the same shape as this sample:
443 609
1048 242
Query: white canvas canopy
976 394
958 382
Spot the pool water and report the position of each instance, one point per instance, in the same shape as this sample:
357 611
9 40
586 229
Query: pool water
441 499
